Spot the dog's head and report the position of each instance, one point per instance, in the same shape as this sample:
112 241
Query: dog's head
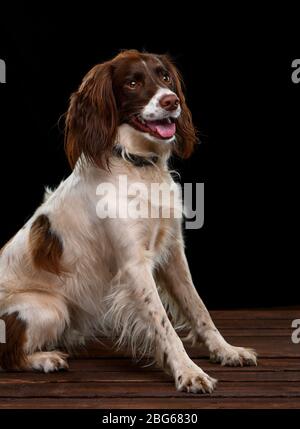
139 89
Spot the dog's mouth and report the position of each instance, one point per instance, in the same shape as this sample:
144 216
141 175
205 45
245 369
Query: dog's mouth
161 128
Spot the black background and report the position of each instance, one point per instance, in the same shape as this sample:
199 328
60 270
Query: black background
239 88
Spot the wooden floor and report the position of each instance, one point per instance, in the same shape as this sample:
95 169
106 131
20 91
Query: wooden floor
101 378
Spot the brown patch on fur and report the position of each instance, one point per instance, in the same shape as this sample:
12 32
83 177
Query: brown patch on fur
12 354
45 246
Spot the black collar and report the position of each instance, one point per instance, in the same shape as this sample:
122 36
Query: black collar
136 160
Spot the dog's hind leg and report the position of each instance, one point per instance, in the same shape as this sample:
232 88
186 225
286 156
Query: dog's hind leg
34 322
47 361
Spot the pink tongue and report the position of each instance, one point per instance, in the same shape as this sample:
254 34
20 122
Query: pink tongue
164 130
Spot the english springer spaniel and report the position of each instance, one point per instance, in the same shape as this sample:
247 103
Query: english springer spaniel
82 268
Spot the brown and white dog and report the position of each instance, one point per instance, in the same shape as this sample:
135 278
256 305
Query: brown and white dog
68 275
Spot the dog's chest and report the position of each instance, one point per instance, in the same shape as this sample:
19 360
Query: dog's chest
163 221
159 239
148 206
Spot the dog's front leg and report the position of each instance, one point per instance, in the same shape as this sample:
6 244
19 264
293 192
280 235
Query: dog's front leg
176 278
151 319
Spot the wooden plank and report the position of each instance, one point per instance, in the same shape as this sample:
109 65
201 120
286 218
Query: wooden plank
288 313
288 364
144 377
110 365
253 332
152 403
135 389
254 323
95 370
265 346
126 365
274 364
90 377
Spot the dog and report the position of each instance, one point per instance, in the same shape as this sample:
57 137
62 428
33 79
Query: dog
70 274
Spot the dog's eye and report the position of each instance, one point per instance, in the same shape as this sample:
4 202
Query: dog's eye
132 84
166 77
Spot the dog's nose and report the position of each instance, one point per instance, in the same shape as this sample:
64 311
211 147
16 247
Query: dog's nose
169 102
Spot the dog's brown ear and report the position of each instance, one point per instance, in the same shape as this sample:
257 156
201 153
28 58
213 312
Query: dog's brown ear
186 132
92 120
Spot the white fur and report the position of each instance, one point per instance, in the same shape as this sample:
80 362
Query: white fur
153 109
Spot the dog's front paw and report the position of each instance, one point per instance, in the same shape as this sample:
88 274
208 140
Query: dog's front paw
195 381
234 356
